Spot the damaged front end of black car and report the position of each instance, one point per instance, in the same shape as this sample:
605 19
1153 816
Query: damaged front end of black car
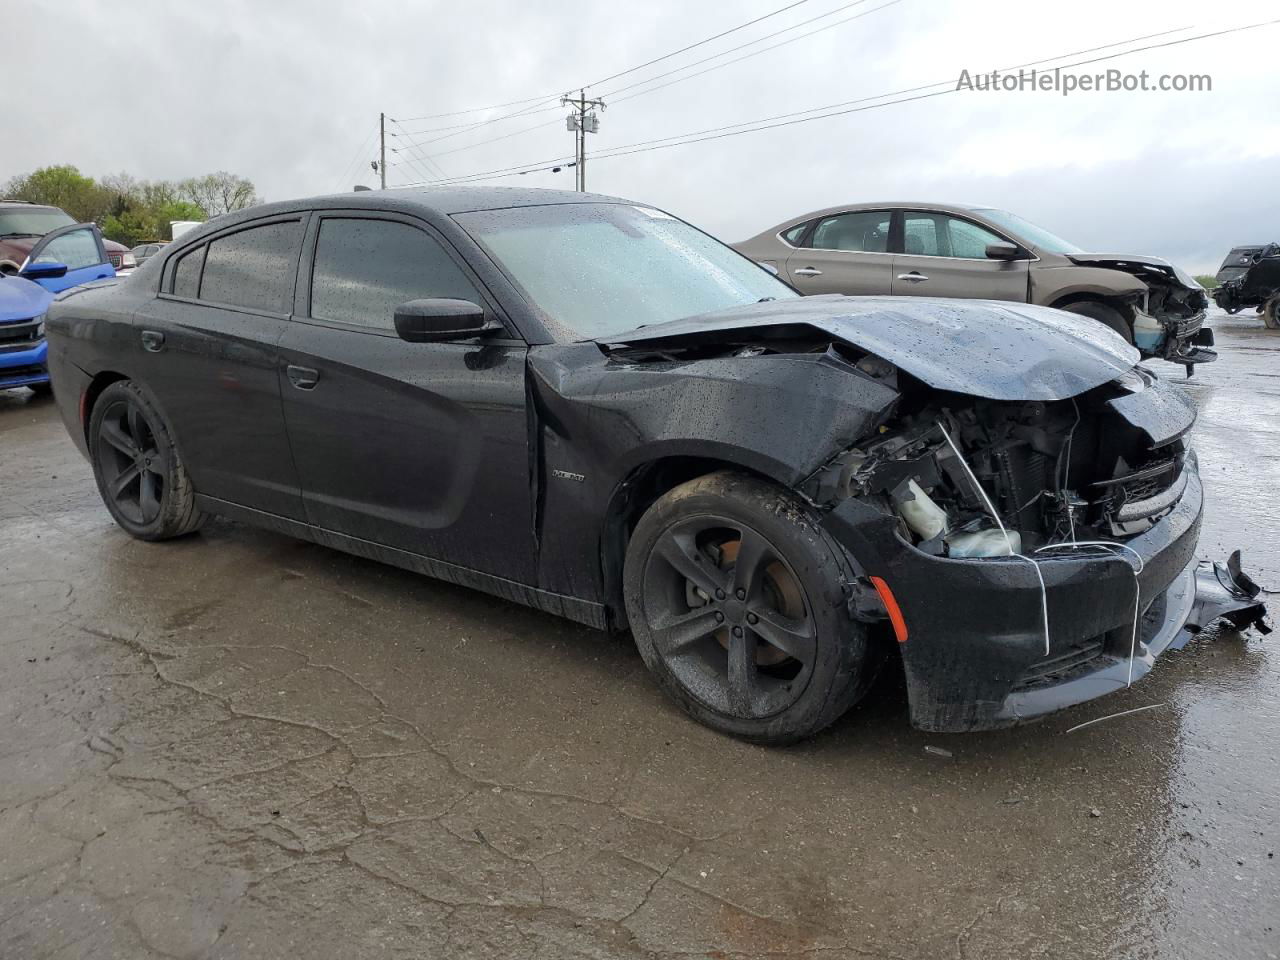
1020 511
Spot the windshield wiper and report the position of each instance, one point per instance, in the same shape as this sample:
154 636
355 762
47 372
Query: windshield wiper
20 234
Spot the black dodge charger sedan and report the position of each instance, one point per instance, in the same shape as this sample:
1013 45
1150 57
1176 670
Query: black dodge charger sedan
589 406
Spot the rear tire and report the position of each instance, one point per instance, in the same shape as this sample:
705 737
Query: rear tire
737 604
136 465
1106 315
41 389
1271 314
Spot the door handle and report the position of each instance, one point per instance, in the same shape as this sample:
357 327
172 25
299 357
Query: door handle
304 378
808 272
913 277
152 340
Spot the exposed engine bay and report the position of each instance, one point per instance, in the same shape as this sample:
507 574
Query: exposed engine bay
1054 472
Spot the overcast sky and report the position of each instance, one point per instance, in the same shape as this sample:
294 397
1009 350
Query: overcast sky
288 94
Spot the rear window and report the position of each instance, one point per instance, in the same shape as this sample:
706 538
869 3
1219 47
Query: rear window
253 268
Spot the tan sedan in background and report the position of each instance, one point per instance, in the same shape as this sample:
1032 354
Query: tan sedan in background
949 250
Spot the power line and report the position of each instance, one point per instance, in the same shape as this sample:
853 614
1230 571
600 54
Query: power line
950 83
796 117
492 106
540 100
350 163
413 160
747 56
741 46
556 122
623 151
475 123
692 46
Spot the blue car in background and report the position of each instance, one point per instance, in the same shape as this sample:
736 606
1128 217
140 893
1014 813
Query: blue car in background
64 258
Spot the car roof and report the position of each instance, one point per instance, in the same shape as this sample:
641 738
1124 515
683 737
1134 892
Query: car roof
28 205
435 202
891 204
439 200
450 200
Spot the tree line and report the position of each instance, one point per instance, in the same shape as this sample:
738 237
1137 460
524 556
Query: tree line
129 210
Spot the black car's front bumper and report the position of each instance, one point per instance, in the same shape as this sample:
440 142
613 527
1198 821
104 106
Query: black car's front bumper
974 651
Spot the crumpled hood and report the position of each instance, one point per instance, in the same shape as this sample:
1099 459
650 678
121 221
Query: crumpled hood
21 299
1141 267
984 348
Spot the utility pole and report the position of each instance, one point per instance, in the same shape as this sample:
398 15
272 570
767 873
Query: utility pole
581 121
382 158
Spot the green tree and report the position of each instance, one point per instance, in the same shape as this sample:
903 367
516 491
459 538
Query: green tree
142 221
63 186
219 193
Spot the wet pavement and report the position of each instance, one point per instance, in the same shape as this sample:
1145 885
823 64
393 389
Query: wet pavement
238 745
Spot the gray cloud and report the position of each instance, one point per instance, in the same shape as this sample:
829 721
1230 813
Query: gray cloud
284 92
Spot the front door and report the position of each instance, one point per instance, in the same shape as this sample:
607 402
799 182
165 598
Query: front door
845 253
78 247
946 256
418 446
206 347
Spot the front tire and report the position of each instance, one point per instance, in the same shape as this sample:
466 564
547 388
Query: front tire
136 464
737 604
1271 314
1106 315
41 389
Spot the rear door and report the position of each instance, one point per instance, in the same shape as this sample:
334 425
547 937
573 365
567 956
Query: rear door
207 348
418 446
845 253
945 256
79 247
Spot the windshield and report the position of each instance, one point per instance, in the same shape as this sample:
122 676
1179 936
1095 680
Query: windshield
598 269
31 223
1028 232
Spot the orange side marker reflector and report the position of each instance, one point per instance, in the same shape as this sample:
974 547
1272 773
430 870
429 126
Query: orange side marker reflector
892 608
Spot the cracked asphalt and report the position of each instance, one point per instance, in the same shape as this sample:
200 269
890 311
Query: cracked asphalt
238 745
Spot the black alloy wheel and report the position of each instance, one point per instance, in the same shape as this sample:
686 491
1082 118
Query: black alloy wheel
737 603
134 468
136 464
728 616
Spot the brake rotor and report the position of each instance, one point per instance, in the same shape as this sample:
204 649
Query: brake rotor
782 593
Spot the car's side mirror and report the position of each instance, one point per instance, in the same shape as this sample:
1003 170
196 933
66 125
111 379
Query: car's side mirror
429 321
771 267
1003 251
43 271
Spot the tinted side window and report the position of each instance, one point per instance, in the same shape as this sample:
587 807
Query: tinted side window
76 249
364 269
866 231
186 275
253 268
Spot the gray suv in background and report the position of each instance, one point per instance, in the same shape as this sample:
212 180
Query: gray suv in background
949 250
